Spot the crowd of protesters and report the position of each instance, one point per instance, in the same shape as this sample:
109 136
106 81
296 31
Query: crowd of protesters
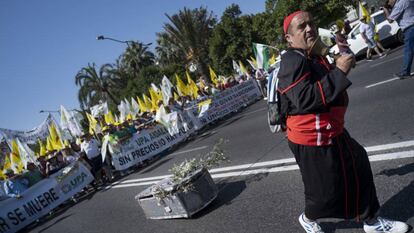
87 148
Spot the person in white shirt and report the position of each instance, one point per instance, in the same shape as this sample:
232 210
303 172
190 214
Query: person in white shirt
367 30
90 147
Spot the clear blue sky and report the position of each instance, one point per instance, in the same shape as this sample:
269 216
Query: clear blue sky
44 43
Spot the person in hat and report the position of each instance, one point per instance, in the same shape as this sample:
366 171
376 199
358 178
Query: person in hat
340 40
367 30
335 169
15 185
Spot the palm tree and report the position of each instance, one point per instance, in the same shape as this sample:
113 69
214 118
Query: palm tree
95 86
189 32
137 56
167 52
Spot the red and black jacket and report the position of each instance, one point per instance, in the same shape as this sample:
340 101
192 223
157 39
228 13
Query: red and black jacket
315 99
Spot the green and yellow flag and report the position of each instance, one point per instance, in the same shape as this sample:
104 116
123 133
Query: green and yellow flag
243 68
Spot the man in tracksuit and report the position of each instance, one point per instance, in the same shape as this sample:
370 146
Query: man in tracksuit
335 169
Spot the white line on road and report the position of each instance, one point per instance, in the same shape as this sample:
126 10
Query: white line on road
215 170
373 158
189 150
380 63
390 146
272 162
379 83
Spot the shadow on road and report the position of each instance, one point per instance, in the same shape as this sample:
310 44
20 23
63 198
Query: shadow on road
228 192
330 227
400 171
58 220
401 205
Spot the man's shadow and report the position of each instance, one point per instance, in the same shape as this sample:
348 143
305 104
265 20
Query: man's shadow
399 207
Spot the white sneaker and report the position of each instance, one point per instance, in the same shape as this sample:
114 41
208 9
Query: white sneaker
386 226
309 226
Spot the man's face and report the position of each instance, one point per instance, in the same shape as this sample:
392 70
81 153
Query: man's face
302 32
391 2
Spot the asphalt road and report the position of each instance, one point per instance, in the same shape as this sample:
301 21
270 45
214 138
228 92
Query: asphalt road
270 200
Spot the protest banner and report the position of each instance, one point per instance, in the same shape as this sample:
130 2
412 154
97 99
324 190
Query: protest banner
28 137
43 197
150 142
230 100
145 145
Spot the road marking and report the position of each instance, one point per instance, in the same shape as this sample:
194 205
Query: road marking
380 63
271 163
189 150
215 170
390 146
372 158
379 83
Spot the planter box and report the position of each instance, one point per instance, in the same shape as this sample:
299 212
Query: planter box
179 204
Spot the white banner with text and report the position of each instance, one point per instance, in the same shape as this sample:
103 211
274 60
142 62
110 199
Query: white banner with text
43 197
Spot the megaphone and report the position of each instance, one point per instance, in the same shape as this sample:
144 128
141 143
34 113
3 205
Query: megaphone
319 48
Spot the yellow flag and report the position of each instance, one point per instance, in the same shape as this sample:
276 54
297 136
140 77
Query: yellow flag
56 142
192 86
42 151
142 105
254 61
181 87
15 147
2 176
7 163
213 76
243 68
16 162
364 12
92 123
154 99
66 143
205 102
148 103
49 144
272 59
109 118
129 117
